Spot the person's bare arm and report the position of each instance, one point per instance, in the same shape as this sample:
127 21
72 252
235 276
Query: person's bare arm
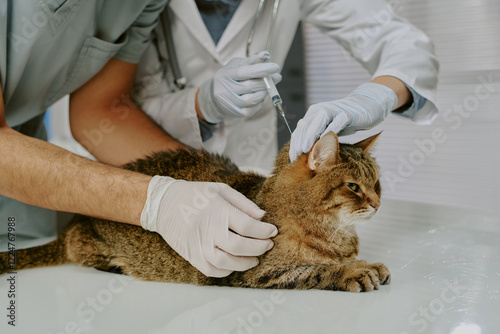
108 124
404 95
41 174
2 110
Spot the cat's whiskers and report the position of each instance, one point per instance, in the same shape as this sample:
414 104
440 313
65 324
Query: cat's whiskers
351 227
348 223
330 239
342 224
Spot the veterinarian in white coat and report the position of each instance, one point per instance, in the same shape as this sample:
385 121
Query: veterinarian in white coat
388 46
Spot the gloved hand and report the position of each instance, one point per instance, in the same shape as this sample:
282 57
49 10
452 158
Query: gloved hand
365 107
237 89
211 225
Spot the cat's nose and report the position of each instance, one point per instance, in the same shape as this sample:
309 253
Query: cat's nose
375 204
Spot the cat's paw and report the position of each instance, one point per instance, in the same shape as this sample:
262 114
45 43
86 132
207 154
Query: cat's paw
366 277
383 273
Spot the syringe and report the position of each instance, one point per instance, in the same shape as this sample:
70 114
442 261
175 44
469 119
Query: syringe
275 98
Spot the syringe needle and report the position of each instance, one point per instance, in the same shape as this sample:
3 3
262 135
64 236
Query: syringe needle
279 106
275 98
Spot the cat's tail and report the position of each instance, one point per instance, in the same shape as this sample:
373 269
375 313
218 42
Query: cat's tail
51 254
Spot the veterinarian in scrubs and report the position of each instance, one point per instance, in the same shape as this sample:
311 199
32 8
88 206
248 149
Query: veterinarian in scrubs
90 49
209 35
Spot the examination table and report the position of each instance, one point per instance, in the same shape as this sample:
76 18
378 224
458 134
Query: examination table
445 265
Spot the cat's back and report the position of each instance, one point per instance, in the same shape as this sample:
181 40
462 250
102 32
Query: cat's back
186 164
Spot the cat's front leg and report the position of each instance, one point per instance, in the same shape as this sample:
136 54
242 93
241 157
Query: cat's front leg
355 276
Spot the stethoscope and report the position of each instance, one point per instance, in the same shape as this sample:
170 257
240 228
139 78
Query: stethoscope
179 80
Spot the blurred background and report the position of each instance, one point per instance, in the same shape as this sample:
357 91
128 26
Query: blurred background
462 170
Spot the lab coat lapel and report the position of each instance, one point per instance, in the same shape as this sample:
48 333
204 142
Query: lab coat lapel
3 43
243 16
187 12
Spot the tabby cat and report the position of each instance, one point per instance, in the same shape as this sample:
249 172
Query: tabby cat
314 202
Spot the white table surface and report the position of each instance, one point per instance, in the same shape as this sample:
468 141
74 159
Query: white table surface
445 265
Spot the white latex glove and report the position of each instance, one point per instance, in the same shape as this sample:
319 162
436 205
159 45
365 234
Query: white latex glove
237 89
365 107
211 225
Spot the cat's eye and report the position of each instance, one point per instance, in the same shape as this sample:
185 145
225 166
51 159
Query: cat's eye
353 186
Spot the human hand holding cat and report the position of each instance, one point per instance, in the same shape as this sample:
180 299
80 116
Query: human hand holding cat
367 106
237 89
197 220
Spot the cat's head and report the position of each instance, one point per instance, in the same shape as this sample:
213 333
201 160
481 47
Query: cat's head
332 183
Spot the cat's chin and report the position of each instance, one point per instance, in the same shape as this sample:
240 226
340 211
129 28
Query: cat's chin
360 216
363 214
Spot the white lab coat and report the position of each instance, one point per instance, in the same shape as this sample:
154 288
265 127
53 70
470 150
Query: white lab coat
384 43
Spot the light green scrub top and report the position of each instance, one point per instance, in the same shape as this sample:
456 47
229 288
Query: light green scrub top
49 48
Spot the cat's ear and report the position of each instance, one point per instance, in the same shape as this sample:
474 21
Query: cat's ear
324 153
368 142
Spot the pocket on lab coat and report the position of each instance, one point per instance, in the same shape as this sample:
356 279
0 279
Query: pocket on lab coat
94 54
59 12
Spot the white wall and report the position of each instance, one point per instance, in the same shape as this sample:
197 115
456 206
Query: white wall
464 169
